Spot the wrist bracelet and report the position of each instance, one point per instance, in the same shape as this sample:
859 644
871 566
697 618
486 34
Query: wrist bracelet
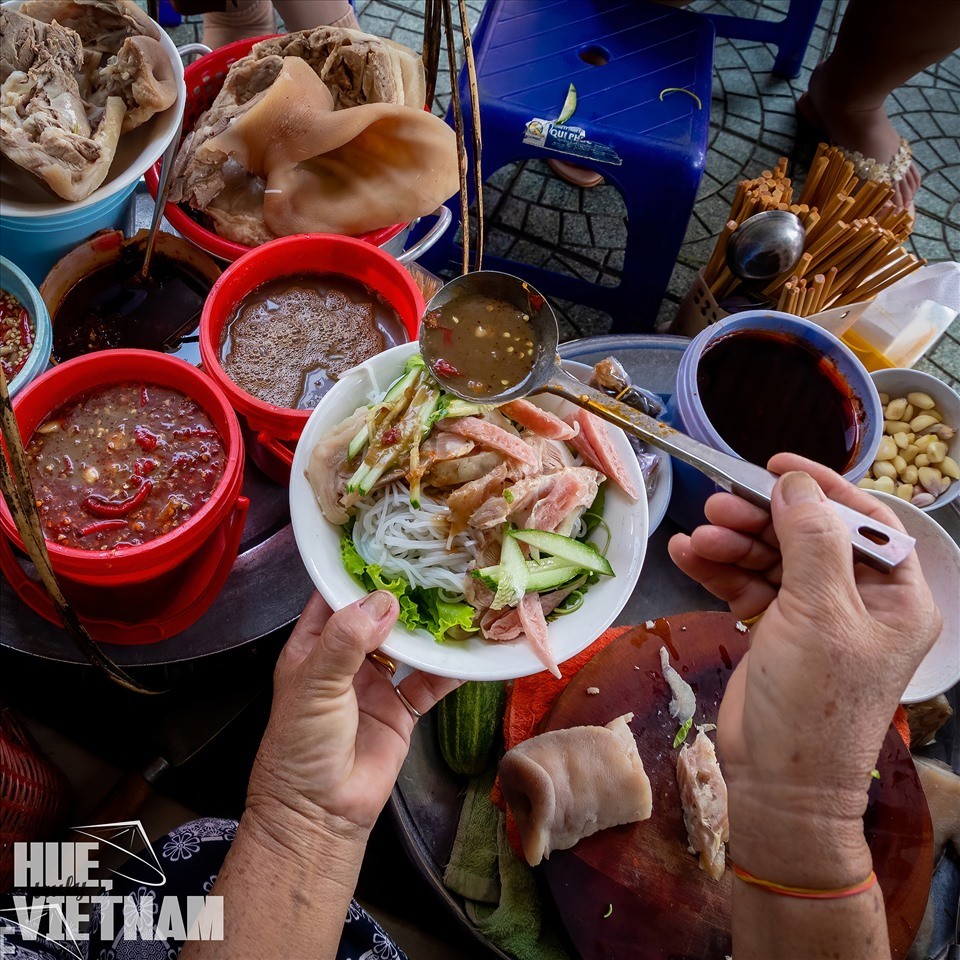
803 893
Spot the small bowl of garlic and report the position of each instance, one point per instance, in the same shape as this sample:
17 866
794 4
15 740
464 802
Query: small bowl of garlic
918 459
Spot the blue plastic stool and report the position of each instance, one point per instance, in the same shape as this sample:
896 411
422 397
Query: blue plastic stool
791 34
650 144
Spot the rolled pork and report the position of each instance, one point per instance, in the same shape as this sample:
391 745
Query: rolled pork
703 794
565 785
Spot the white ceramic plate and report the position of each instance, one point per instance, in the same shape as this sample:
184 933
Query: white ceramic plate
23 195
474 659
940 562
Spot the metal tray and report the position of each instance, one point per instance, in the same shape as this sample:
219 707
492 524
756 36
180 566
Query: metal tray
425 804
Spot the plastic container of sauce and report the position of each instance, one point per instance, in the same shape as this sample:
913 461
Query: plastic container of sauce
155 519
763 382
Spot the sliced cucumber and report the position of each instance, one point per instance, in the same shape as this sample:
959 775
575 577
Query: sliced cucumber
584 555
512 584
538 581
533 566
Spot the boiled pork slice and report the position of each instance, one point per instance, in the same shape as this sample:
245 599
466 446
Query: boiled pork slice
538 420
565 785
703 796
594 445
327 469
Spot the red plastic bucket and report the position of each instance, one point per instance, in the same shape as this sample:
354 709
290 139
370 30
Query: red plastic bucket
204 79
290 256
137 565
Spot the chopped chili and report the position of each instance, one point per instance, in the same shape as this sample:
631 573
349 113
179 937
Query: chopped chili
148 441
102 526
90 474
443 368
391 436
16 334
101 507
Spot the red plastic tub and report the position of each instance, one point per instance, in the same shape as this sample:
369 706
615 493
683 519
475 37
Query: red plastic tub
289 256
142 594
204 79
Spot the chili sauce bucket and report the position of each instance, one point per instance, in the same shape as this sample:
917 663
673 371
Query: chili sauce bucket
140 593
275 427
686 409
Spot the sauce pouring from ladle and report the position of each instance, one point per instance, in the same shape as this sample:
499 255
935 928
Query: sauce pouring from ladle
490 337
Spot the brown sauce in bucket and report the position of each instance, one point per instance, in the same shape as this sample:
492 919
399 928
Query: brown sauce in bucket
766 393
292 338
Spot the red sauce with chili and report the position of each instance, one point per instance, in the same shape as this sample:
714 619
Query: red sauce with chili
16 334
123 465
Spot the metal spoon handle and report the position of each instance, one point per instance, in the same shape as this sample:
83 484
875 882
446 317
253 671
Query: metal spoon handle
876 544
163 191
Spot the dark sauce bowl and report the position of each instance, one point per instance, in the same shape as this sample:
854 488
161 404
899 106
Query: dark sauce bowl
73 283
752 370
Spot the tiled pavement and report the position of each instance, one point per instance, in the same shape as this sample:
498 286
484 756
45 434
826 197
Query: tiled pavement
536 218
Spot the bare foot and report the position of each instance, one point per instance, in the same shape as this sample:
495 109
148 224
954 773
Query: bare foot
865 128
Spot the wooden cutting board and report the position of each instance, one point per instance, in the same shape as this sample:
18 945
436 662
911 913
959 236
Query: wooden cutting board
663 906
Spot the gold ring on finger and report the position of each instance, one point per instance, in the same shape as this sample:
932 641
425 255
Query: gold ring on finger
381 659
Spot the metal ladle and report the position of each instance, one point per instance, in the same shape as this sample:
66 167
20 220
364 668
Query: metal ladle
876 544
163 191
765 246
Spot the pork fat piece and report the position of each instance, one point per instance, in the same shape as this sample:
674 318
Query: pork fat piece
565 785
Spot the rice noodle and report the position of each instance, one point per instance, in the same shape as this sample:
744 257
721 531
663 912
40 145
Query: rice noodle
412 543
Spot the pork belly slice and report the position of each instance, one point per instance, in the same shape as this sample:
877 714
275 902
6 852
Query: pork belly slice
538 420
565 785
552 502
594 445
559 507
703 795
491 436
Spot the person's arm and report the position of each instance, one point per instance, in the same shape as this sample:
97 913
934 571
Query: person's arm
337 736
805 712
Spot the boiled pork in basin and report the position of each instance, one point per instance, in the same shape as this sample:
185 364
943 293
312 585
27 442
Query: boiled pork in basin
44 126
565 785
319 131
76 74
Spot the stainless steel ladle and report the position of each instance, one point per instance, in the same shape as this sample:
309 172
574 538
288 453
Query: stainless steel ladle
876 544
765 246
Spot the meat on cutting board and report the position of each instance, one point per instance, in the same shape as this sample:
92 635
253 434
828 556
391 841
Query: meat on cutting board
568 784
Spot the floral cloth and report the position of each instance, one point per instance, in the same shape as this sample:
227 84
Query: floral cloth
191 857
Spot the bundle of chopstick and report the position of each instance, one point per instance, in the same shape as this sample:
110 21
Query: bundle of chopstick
854 237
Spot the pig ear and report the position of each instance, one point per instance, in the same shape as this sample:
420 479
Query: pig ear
344 171
150 86
398 164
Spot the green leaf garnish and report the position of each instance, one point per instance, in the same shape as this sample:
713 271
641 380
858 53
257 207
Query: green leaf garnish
875 774
609 911
569 105
682 733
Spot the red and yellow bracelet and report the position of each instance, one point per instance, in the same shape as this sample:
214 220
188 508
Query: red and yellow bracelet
803 893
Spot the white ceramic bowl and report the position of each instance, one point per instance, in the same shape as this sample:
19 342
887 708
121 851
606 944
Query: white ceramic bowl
940 562
23 195
898 382
474 659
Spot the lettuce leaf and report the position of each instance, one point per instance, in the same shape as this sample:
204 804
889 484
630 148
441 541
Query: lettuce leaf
420 608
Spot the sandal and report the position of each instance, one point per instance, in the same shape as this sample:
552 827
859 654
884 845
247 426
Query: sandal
574 174
891 172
